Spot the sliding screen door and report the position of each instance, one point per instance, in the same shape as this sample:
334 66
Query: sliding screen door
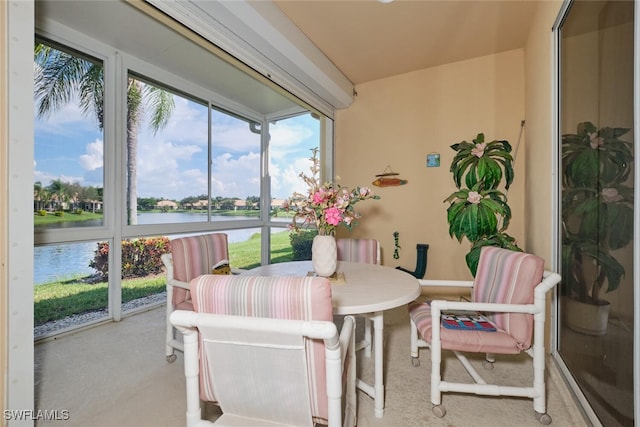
597 205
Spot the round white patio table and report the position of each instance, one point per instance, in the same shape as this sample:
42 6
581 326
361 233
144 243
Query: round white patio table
367 289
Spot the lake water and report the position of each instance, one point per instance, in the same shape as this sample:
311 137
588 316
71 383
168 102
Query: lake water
71 260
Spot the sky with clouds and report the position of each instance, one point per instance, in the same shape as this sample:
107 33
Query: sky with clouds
172 163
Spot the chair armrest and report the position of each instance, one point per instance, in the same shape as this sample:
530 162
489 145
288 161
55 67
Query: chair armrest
437 306
178 283
443 283
167 260
549 281
185 321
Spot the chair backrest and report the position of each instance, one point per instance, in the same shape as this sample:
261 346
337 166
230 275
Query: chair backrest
359 250
509 277
193 256
297 298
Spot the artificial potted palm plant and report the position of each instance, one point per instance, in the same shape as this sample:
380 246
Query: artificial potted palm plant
597 220
478 209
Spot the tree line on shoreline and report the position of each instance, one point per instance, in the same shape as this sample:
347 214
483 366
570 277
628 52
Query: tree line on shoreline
65 196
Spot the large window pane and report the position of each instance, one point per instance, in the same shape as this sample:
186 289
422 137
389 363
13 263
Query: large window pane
68 291
68 186
291 144
290 148
235 167
187 156
596 119
167 156
68 139
143 273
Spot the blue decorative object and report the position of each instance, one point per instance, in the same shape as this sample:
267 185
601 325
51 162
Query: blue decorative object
433 160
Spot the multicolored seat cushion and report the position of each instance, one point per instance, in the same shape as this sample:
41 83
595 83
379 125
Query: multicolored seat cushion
503 276
299 298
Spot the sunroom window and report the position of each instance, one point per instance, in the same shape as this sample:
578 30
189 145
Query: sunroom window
173 143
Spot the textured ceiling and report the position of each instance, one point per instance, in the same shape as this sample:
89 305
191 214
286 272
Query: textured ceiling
369 40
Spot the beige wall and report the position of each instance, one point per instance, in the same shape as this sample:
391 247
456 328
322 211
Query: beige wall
538 154
539 150
397 121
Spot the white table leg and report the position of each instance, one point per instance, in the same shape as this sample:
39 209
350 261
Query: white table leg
378 329
367 336
377 390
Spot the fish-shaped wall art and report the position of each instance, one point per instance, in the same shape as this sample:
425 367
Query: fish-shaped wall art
388 178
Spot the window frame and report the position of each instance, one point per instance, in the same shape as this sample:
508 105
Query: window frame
117 66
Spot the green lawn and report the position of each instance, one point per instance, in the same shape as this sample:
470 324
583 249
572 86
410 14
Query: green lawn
52 218
53 301
247 254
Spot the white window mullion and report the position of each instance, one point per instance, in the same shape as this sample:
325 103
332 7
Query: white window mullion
265 194
115 173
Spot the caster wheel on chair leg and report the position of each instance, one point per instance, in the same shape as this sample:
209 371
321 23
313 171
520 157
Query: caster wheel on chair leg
543 418
439 411
415 362
171 358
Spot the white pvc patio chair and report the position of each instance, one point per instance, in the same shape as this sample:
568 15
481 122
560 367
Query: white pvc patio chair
265 350
510 289
190 257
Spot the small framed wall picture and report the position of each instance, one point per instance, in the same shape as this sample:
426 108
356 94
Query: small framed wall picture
433 160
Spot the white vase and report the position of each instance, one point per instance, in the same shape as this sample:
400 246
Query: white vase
588 319
324 255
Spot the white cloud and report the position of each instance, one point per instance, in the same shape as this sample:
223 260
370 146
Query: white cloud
159 170
236 176
94 157
286 136
288 159
188 122
235 137
172 163
45 178
67 120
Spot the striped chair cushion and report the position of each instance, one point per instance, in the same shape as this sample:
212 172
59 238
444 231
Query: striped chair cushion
498 342
358 250
193 256
509 277
503 276
299 298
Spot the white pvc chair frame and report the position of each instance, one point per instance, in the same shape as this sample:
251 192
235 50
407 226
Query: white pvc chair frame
171 342
536 391
339 349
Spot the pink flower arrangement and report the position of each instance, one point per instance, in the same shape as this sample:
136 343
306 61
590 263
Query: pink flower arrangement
325 205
